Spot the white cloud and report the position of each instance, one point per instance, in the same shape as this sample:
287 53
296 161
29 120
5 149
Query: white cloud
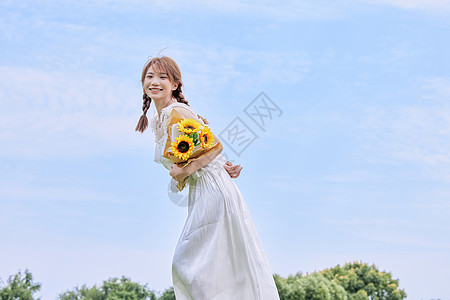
298 10
62 114
438 90
417 133
414 134
278 10
438 6
289 9
216 68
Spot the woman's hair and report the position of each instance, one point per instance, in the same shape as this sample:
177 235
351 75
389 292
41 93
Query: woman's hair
168 65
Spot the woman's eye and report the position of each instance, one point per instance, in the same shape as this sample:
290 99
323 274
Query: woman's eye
163 77
148 76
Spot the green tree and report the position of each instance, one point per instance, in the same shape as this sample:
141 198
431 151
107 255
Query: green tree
310 287
19 288
168 294
362 281
112 289
83 292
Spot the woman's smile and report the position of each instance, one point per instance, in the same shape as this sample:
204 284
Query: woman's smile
155 90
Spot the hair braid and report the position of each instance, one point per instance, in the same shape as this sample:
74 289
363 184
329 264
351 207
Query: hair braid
178 95
143 121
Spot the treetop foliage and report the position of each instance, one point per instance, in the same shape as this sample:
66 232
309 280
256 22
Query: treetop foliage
352 281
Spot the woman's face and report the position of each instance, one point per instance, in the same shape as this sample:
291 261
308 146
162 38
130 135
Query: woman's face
157 85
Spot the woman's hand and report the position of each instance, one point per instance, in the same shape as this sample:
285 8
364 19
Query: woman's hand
177 173
233 170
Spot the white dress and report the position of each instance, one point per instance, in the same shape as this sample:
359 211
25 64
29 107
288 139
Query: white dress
219 255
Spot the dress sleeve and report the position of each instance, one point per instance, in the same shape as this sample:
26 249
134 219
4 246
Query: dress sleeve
176 115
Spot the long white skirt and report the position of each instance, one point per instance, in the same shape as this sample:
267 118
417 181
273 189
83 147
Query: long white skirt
219 255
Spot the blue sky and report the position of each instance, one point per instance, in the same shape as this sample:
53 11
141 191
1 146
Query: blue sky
356 167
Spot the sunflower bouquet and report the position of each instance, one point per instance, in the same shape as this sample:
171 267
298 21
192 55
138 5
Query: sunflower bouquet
194 134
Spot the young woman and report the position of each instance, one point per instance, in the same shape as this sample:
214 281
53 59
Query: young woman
219 255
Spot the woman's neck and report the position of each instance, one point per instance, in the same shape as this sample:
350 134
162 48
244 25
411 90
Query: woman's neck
159 106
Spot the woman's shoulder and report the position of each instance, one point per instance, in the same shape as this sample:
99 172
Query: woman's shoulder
183 109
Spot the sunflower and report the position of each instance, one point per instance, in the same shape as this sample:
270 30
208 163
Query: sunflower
183 147
206 137
189 125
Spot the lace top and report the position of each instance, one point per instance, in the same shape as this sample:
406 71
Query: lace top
158 124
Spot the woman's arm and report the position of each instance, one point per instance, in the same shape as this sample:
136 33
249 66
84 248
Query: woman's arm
180 173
